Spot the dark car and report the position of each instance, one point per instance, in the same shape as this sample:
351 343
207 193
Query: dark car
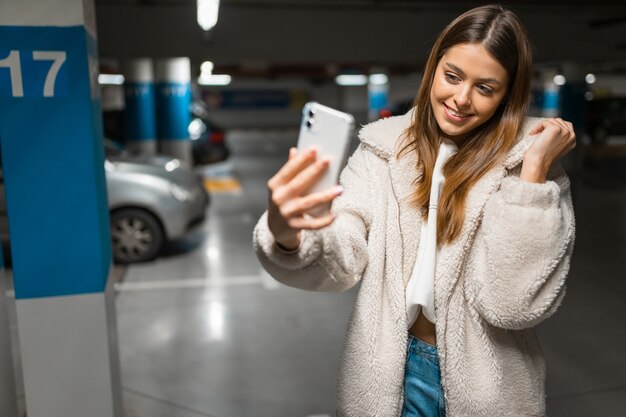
606 117
208 139
208 142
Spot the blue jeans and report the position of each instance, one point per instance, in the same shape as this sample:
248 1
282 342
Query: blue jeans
423 394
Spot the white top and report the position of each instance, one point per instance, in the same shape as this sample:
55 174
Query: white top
420 289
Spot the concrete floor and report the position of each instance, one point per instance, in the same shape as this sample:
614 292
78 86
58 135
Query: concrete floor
204 332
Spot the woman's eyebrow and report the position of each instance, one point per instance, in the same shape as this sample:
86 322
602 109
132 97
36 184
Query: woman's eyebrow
460 72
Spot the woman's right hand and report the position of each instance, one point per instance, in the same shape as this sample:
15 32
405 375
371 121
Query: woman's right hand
287 203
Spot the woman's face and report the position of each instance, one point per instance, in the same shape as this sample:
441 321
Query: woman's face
468 87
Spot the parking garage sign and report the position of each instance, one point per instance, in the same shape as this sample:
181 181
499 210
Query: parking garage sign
42 72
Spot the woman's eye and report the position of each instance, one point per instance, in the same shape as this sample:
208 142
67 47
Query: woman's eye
451 77
485 89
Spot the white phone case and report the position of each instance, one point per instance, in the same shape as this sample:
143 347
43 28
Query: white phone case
330 131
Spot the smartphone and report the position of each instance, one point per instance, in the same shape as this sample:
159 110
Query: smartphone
330 131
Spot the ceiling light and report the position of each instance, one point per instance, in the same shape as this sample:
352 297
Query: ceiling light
207 13
590 78
559 79
214 79
207 67
110 79
351 79
379 79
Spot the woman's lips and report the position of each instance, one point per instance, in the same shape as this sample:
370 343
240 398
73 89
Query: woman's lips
454 115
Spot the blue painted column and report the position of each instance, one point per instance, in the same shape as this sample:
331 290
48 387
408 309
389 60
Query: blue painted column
52 156
8 398
173 99
139 114
378 92
551 100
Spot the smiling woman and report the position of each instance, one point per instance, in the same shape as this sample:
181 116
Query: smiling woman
456 219
468 87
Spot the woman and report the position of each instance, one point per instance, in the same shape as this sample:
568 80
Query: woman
457 221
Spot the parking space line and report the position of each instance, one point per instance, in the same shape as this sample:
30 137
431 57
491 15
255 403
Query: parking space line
190 283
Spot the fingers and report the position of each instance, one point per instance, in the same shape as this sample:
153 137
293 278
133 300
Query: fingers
291 217
303 181
295 208
288 207
537 129
567 131
296 163
560 126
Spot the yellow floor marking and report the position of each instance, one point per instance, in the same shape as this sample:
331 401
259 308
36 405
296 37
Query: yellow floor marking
224 184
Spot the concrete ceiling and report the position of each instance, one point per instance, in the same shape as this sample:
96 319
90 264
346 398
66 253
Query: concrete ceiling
313 35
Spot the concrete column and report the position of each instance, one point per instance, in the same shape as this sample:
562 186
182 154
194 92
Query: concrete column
57 207
173 99
139 114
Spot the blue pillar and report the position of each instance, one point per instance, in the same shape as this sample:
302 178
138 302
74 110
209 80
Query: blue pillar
550 103
139 115
173 99
378 92
52 156
8 398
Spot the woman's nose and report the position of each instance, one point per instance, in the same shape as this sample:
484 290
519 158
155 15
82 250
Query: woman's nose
462 97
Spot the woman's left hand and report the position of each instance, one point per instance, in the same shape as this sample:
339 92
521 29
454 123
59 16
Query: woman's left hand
555 138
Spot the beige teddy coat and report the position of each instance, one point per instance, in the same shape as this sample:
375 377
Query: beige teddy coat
505 274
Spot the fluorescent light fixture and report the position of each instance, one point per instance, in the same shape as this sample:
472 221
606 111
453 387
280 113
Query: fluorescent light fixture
590 78
379 79
207 13
559 79
214 79
207 67
110 79
351 79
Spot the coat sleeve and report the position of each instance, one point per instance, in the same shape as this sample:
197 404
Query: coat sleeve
524 245
329 259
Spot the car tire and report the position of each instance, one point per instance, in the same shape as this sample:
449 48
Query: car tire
136 235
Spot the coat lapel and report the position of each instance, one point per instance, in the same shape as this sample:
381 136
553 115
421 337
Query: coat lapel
384 137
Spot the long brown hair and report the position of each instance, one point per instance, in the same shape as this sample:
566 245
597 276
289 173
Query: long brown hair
502 34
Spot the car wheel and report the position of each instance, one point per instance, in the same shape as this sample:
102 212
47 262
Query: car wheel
136 235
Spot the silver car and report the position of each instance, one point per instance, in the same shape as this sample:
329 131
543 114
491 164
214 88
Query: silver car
151 200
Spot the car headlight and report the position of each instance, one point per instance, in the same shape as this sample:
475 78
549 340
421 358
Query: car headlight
196 129
180 193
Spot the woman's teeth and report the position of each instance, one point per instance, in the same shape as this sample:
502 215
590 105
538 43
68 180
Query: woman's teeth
456 113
